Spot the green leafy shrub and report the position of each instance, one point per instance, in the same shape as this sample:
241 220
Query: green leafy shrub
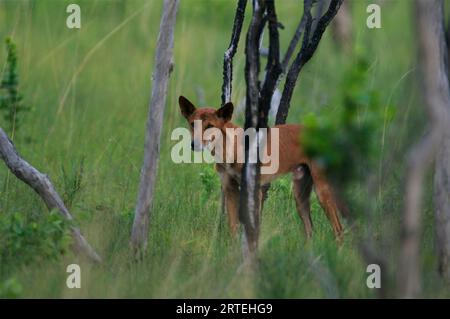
342 139
26 239
11 104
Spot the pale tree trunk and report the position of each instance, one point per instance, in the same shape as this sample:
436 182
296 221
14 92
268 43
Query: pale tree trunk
162 68
249 213
447 33
431 44
42 185
442 165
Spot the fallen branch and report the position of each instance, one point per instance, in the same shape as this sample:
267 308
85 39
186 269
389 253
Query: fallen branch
42 185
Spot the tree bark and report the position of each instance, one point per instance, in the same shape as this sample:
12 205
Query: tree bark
231 51
448 47
42 185
442 167
431 43
311 39
273 67
258 99
162 68
293 44
249 212
228 65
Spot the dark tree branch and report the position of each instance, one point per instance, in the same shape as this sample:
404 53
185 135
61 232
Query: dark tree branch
260 32
273 78
273 67
307 50
258 99
320 7
295 68
231 51
228 63
322 25
293 44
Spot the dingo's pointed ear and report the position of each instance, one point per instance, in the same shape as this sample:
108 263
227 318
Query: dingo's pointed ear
187 108
225 112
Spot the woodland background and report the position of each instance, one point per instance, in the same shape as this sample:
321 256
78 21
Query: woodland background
87 91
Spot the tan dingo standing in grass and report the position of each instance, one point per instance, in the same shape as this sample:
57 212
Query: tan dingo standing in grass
291 159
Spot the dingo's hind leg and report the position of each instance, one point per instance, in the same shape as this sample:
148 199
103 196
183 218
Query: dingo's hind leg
302 186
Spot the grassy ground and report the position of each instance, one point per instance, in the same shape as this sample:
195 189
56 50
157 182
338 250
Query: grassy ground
89 90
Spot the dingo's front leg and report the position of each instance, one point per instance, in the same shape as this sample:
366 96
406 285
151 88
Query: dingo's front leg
230 189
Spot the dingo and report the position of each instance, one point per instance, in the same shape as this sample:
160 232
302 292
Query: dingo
291 160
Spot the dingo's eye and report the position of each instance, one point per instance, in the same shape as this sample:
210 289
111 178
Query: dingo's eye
209 126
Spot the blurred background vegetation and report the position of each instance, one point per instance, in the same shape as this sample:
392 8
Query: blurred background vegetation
86 92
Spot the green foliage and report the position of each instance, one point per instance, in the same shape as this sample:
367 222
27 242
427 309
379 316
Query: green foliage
342 139
27 239
10 98
72 181
210 182
104 116
281 186
10 288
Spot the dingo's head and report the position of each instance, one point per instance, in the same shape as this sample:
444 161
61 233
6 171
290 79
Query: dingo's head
203 119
